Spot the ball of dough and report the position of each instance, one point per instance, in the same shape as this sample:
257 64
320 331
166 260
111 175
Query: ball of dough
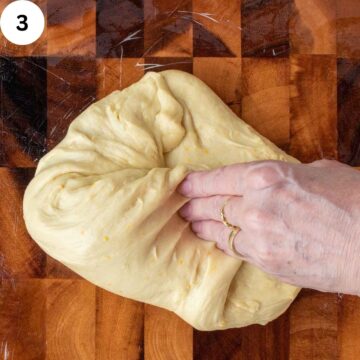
104 202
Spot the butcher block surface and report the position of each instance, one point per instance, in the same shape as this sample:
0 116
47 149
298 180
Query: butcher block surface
290 68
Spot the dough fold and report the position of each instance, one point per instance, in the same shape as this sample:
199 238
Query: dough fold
104 202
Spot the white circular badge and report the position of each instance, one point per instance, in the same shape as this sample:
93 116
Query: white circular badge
22 22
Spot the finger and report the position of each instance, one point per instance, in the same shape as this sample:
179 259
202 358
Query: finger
209 208
215 231
226 180
234 179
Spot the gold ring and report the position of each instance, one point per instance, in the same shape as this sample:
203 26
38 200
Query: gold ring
223 218
231 245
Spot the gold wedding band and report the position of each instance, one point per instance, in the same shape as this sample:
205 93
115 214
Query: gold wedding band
224 220
234 231
231 245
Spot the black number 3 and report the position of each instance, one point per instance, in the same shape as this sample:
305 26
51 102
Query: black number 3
22 22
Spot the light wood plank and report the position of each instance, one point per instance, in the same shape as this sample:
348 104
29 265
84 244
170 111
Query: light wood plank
265 98
119 327
70 320
313 326
225 68
167 337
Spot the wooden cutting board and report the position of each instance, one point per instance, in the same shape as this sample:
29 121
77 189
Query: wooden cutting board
290 68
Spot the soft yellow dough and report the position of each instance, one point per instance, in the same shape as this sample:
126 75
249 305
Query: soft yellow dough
103 202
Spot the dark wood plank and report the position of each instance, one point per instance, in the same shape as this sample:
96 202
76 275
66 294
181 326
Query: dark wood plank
71 28
167 337
37 48
119 28
313 326
313 107
168 28
348 99
265 28
217 31
265 98
119 327
22 110
254 342
22 319
162 63
348 29
224 68
20 256
218 345
71 89
312 27
70 320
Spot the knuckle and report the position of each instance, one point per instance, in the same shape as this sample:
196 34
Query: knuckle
265 175
324 162
284 194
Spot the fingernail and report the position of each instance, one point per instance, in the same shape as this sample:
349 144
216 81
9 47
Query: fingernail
185 187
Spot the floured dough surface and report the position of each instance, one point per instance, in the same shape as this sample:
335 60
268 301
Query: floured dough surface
103 202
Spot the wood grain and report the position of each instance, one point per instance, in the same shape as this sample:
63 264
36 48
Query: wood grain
70 320
265 25
265 98
348 29
313 107
313 326
22 319
167 28
71 28
20 256
217 28
348 99
348 327
167 337
312 27
37 48
119 327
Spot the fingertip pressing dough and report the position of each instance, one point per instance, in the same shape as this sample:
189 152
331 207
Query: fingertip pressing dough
104 202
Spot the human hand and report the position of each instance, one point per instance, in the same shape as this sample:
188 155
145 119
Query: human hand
300 223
